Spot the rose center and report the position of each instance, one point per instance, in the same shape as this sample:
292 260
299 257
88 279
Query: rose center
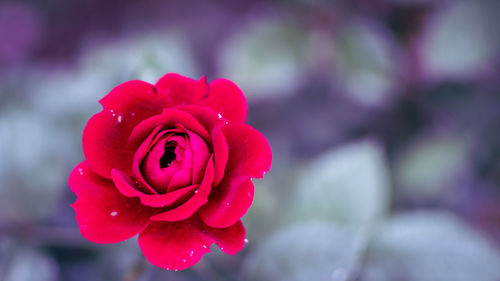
168 155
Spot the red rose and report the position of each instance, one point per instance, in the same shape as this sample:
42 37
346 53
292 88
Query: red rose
173 163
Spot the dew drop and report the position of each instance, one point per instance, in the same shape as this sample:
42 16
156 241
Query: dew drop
227 204
249 194
219 115
246 240
191 253
113 213
167 268
80 170
184 260
196 191
204 246
119 118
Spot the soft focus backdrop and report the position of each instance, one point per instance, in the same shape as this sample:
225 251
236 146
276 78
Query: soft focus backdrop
383 117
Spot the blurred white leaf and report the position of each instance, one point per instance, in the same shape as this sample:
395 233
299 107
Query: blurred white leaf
367 63
74 93
29 264
145 57
265 58
304 252
461 39
349 184
261 218
430 246
431 167
32 166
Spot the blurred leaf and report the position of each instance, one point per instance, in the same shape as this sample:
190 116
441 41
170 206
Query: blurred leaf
461 39
367 62
261 218
429 168
349 184
265 58
29 264
145 57
70 94
33 165
304 252
430 246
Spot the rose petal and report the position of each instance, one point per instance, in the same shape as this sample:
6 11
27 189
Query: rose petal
125 185
211 121
179 171
228 202
206 116
106 134
141 152
182 90
221 152
179 245
226 98
168 119
102 213
200 154
249 152
199 199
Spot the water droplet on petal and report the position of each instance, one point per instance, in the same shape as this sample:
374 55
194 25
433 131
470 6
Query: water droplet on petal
119 118
227 204
184 260
246 240
196 191
113 213
191 253
219 115
80 170
204 246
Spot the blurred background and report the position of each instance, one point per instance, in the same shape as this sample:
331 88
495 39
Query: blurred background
383 118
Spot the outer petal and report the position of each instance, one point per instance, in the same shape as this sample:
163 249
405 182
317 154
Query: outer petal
179 245
182 90
249 152
106 134
221 95
199 199
228 202
102 213
226 98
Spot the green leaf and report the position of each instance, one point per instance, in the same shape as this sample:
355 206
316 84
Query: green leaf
430 246
304 252
349 184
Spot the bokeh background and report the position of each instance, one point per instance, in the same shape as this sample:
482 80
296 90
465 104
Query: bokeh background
383 117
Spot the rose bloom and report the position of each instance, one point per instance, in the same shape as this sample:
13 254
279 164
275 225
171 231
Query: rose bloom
173 163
